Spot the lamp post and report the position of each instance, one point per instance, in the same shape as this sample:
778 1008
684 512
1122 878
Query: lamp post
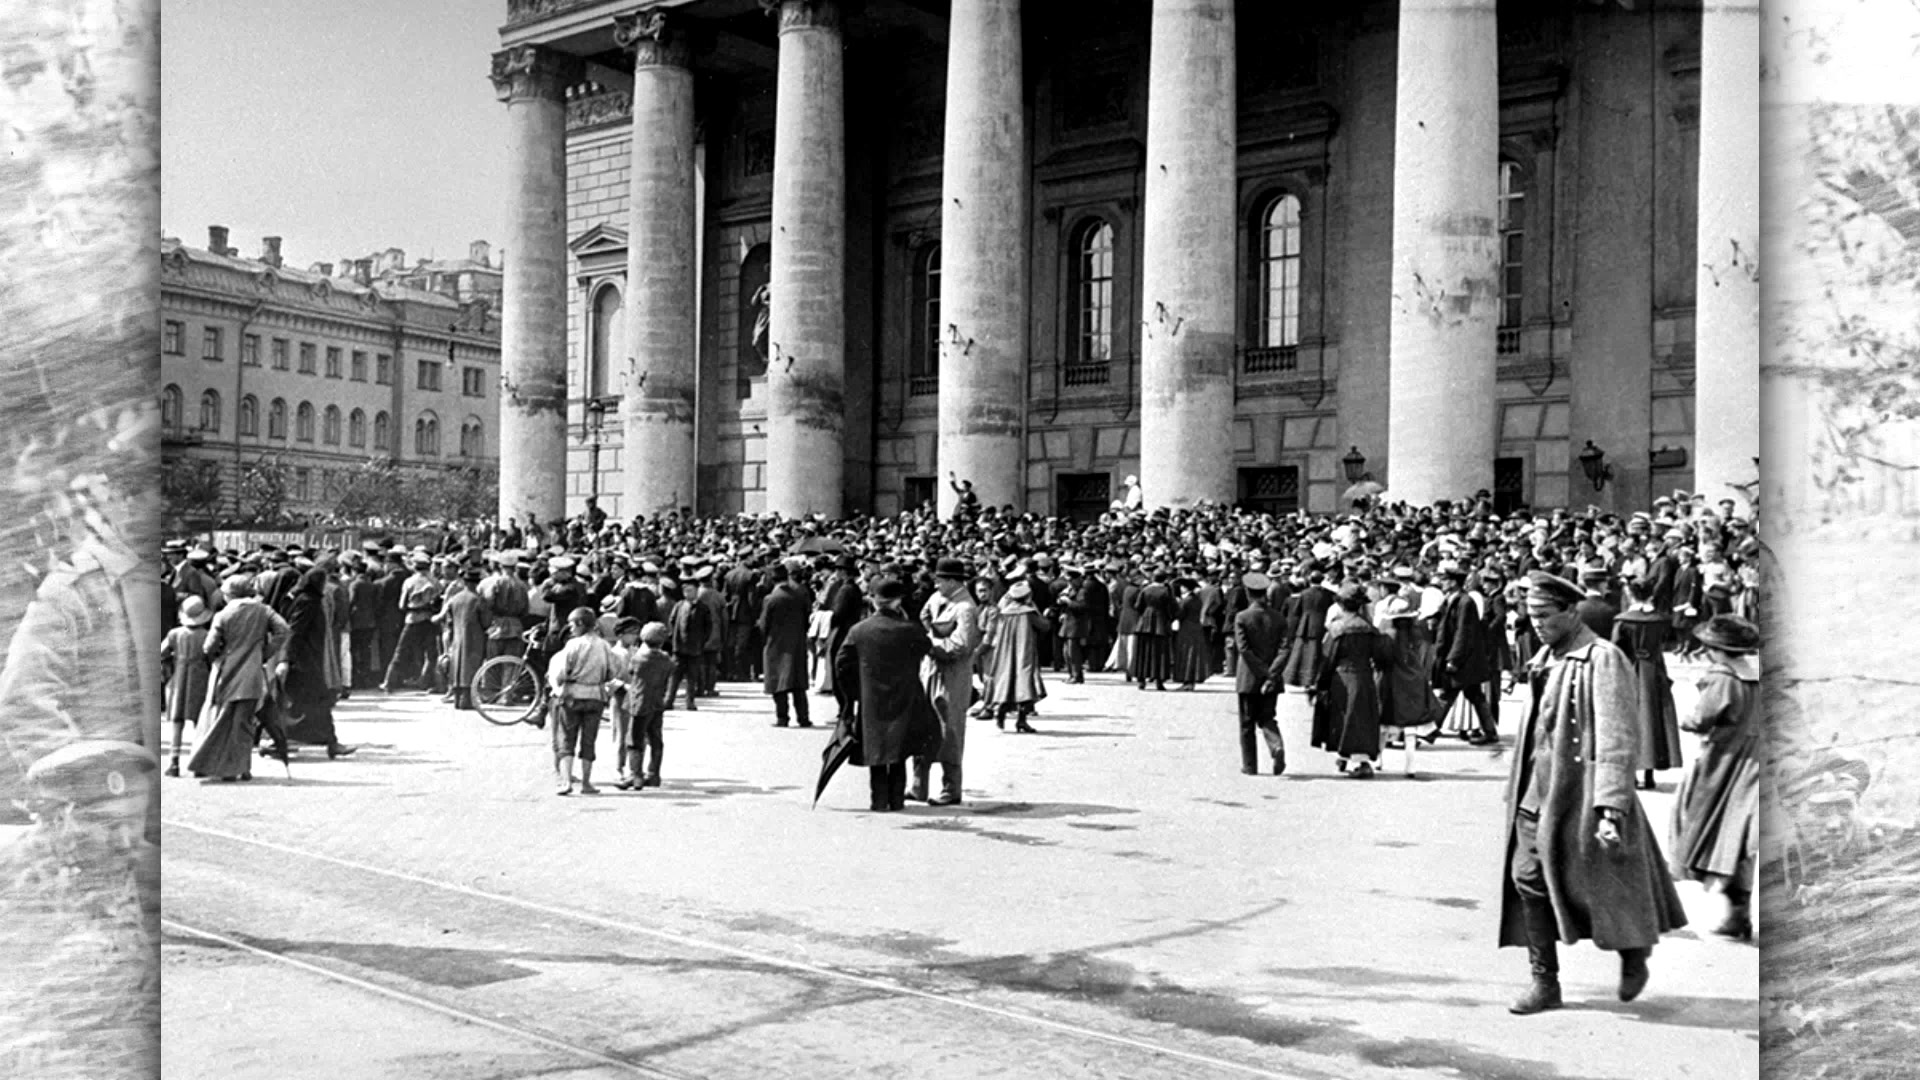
596 421
1593 462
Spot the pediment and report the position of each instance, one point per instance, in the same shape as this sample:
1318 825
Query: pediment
602 239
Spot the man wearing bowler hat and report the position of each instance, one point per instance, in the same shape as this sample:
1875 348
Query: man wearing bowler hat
951 619
1582 862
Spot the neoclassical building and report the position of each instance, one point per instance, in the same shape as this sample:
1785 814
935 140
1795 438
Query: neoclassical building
813 255
321 368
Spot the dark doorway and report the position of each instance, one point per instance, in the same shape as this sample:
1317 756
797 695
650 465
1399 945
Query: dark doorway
1083 496
1273 489
916 492
1509 485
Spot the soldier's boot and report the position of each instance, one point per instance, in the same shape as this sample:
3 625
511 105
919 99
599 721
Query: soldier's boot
1543 957
917 790
1248 763
949 786
1633 972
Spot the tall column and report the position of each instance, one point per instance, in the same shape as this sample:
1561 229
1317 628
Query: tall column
983 256
1726 391
806 331
657 405
533 317
1186 352
1446 251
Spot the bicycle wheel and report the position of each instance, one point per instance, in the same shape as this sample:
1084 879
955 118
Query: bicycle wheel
506 691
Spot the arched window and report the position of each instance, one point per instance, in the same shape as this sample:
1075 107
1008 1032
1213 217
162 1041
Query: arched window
357 428
277 419
1276 260
330 426
249 419
1092 292
472 444
426 435
210 411
925 357
172 403
1513 237
303 422
382 432
755 270
609 339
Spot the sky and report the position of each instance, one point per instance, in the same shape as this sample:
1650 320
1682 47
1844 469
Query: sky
344 127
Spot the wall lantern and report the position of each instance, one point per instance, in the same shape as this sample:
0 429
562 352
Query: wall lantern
1355 464
1593 462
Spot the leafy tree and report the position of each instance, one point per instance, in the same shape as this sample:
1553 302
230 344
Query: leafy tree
264 486
195 493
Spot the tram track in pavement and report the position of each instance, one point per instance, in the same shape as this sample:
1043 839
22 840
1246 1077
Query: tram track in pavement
855 988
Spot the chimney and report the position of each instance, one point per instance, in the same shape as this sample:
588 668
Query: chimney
270 251
324 269
478 251
217 239
363 271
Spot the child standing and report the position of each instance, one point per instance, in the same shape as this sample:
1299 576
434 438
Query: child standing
184 666
647 673
626 634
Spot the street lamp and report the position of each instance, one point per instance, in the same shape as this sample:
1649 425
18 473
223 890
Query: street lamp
596 421
1593 462
1355 464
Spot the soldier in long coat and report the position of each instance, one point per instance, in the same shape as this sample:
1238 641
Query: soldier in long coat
878 663
951 618
1581 859
466 615
782 624
1258 657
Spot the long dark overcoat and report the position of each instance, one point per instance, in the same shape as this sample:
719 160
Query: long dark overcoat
784 615
1718 803
880 664
1346 712
1620 897
1642 635
1307 627
1462 655
465 617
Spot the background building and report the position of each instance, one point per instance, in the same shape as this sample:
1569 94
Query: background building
321 370
1564 312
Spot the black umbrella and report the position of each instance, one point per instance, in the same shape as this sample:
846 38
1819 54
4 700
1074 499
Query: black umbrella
844 746
817 545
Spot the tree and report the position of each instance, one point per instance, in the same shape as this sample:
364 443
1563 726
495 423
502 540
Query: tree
195 491
264 484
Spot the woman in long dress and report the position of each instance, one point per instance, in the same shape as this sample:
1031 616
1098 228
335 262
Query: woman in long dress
1641 633
1715 811
1346 712
310 696
246 635
1407 699
1192 656
1013 680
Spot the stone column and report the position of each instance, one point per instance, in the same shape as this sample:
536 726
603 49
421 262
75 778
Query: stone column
533 318
806 332
657 404
1726 391
1446 252
1188 254
983 257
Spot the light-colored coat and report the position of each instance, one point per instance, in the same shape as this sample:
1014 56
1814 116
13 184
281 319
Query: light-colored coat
1620 897
245 635
953 625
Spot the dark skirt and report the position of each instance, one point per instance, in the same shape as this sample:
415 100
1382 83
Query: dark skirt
310 721
1303 662
1715 812
1152 658
1192 656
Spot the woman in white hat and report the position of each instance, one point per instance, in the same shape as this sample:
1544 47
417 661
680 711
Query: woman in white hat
184 665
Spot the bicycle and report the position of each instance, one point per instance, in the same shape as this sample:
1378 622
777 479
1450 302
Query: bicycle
507 690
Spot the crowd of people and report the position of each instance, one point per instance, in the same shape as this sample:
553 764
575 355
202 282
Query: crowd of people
1400 624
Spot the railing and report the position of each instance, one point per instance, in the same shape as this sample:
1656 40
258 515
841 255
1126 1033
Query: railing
923 385
1096 373
1507 341
1271 358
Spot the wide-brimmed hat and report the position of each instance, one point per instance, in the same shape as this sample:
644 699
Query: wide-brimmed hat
1401 607
953 569
1019 590
193 612
1729 633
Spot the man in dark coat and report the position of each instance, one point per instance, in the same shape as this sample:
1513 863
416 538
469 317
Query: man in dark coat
392 618
1213 615
1071 617
1462 657
1099 622
782 623
1258 660
363 625
1582 860
1595 609
879 662
1309 629
717 629
743 592
1121 591
1153 632
848 605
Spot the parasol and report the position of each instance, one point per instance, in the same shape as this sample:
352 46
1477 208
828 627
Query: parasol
1365 489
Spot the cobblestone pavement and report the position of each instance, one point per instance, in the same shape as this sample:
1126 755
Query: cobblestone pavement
1114 899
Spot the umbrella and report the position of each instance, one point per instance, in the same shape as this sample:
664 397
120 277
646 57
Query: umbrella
844 745
817 545
1365 489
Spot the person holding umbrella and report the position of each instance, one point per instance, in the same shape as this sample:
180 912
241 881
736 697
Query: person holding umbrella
887 712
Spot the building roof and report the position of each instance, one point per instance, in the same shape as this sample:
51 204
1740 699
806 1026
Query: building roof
172 249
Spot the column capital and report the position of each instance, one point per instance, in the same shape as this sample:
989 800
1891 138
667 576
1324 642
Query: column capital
529 71
800 14
655 38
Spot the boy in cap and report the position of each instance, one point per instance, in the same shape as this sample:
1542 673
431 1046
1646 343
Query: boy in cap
579 676
648 669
